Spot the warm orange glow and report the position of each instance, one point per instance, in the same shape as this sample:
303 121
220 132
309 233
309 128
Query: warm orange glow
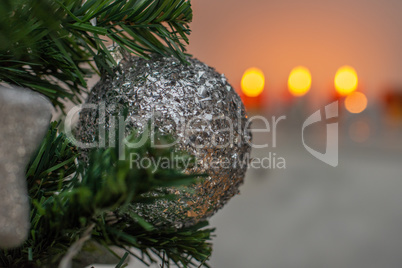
299 82
346 80
356 102
252 82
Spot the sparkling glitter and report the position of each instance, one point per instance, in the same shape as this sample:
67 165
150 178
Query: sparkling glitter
173 93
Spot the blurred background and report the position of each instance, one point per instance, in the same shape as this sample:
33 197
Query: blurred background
304 55
291 58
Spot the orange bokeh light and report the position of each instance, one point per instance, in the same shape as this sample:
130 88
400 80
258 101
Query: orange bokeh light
356 102
253 82
299 81
345 80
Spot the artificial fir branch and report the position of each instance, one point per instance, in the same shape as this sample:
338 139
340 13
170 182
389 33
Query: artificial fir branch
48 45
68 200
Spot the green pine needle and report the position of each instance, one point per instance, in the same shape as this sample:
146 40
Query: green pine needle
68 199
49 46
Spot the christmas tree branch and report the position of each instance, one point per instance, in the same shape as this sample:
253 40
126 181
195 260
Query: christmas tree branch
46 44
68 200
66 261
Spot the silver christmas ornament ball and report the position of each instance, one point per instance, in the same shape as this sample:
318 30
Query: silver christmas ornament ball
199 108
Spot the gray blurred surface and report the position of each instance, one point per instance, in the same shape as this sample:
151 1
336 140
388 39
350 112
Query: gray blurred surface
312 215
